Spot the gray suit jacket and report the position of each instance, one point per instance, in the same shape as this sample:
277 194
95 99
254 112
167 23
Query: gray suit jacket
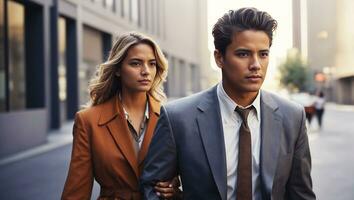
189 142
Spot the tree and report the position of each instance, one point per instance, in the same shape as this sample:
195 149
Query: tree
294 73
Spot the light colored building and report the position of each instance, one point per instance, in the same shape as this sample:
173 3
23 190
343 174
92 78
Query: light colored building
343 70
329 44
49 51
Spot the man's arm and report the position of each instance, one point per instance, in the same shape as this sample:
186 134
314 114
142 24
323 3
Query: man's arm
299 185
161 161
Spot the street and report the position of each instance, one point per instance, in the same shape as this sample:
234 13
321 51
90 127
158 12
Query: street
332 156
43 176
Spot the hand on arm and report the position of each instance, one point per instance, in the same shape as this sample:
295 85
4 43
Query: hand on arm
169 189
161 160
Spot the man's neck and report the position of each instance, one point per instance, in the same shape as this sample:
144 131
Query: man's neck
239 97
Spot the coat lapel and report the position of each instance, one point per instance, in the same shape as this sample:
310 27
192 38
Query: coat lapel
154 112
271 128
211 131
112 116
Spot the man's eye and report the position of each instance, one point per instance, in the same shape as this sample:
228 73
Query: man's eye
264 54
242 54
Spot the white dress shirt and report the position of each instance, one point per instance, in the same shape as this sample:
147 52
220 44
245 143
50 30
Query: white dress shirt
231 122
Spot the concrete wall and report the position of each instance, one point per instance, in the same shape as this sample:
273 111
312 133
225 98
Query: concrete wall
22 130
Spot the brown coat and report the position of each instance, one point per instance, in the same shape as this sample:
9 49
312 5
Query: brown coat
103 150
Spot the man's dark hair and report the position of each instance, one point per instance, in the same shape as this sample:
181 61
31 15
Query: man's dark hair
241 20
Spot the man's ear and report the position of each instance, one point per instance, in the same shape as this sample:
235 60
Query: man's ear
219 58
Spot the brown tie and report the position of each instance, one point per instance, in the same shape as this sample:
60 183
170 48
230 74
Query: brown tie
244 167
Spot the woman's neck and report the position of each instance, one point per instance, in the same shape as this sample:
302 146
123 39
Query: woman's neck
134 101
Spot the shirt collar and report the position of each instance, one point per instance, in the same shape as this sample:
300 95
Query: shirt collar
230 105
146 114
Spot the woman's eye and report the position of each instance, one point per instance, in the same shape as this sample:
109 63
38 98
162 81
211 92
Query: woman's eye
153 64
135 64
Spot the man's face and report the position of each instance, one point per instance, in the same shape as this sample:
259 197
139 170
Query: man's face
245 62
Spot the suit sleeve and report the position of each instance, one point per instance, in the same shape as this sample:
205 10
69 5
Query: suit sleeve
300 183
79 181
161 161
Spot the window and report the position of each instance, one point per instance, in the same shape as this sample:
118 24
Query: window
16 53
134 13
62 59
92 57
110 4
22 59
2 58
62 82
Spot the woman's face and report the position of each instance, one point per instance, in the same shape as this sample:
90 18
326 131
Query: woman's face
138 69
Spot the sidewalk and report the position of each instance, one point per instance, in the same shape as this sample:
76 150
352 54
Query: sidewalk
340 107
55 139
63 136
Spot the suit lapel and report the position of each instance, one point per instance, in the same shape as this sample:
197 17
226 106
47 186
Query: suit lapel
154 112
112 115
271 128
211 131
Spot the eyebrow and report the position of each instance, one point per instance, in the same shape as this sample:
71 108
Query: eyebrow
140 60
247 50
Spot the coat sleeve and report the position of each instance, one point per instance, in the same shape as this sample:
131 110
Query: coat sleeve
79 181
161 161
299 185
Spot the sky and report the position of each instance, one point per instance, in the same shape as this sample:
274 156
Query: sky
282 39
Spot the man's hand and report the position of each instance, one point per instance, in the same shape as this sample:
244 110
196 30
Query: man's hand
169 189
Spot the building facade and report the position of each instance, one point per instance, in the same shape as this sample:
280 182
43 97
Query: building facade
49 50
327 43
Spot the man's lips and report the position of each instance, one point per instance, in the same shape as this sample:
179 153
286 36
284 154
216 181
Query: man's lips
255 77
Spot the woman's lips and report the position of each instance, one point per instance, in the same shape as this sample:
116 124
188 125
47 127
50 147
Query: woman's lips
145 82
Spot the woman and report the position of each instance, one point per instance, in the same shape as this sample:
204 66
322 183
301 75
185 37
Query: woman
112 135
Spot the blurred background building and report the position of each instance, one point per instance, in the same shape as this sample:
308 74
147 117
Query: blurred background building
49 50
324 35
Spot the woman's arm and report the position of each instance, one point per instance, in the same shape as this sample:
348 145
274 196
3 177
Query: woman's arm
79 181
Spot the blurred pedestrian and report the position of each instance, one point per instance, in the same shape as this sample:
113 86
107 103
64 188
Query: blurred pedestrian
310 112
319 107
112 134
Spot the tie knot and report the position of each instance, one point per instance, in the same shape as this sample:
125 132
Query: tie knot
243 112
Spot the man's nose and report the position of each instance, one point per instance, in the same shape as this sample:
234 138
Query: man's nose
255 63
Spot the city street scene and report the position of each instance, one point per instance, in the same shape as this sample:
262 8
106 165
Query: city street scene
51 49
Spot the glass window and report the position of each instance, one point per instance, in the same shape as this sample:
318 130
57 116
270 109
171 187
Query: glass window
110 4
2 58
134 11
16 38
62 59
62 67
98 2
126 8
92 57
121 5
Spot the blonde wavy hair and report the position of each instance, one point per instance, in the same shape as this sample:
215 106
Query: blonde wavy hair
105 84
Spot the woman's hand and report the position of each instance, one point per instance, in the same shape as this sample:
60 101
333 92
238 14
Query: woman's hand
169 189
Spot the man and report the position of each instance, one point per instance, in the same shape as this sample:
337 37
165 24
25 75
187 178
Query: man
234 141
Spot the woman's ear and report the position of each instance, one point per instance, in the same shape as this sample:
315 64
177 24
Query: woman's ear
118 73
219 58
